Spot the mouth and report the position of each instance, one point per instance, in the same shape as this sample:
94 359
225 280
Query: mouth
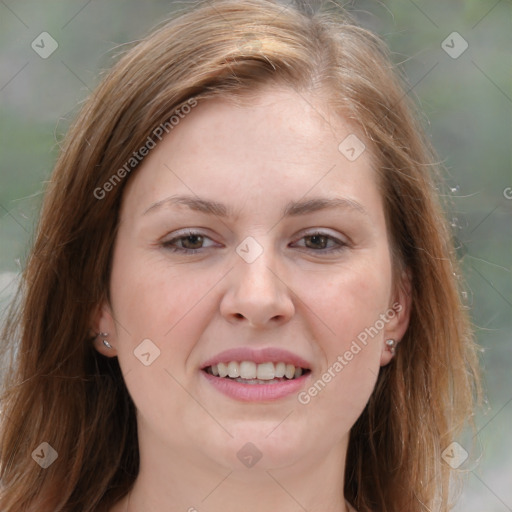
251 375
248 381
249 372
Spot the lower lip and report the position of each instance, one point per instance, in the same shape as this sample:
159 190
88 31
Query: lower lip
256 392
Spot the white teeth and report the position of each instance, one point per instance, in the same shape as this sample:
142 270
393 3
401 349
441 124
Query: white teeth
280 369
265 371
223 370
257 381
290 371
233 370
249 370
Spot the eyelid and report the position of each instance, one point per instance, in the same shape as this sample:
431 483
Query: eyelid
341 241
183 233
186 232
323 231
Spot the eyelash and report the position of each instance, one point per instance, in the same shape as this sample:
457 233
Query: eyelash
168 244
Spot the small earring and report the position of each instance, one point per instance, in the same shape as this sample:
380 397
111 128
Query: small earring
105 342
391 344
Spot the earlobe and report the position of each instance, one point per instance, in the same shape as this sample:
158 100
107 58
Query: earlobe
391 346
104 335
388 351
103 346
104 331
397 326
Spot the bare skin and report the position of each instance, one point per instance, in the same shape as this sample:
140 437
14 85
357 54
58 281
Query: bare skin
322 278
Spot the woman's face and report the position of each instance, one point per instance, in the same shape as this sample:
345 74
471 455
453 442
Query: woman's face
254 229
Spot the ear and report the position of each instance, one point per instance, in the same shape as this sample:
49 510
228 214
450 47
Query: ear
399 313
104 328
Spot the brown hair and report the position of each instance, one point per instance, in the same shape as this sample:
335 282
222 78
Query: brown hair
61 391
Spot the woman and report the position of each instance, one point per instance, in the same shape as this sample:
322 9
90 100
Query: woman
243 292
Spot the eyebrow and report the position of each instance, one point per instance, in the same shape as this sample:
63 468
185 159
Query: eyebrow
292 209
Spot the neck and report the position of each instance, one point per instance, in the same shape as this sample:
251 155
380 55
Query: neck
315 485
128 508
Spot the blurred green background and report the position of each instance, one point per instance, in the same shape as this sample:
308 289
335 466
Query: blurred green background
467 103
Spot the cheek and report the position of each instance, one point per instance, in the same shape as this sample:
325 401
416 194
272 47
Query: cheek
350 300
351 350
166 304
338 396
350 335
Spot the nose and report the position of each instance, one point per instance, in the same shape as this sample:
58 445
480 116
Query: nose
257 295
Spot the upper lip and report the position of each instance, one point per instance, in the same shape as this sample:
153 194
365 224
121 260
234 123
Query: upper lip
263 355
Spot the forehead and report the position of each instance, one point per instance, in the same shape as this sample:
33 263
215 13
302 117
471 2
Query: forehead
277 144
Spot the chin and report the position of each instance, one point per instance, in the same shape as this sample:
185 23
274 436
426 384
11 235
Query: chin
265 445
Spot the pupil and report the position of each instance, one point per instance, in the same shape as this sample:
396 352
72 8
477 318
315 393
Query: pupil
193 242
315 241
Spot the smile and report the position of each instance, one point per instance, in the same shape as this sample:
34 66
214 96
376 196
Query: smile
248 381
251 373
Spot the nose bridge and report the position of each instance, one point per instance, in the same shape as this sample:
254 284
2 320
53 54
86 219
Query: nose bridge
256 292
257 280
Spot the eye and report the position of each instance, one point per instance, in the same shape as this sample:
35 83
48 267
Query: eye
321 242
188 242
